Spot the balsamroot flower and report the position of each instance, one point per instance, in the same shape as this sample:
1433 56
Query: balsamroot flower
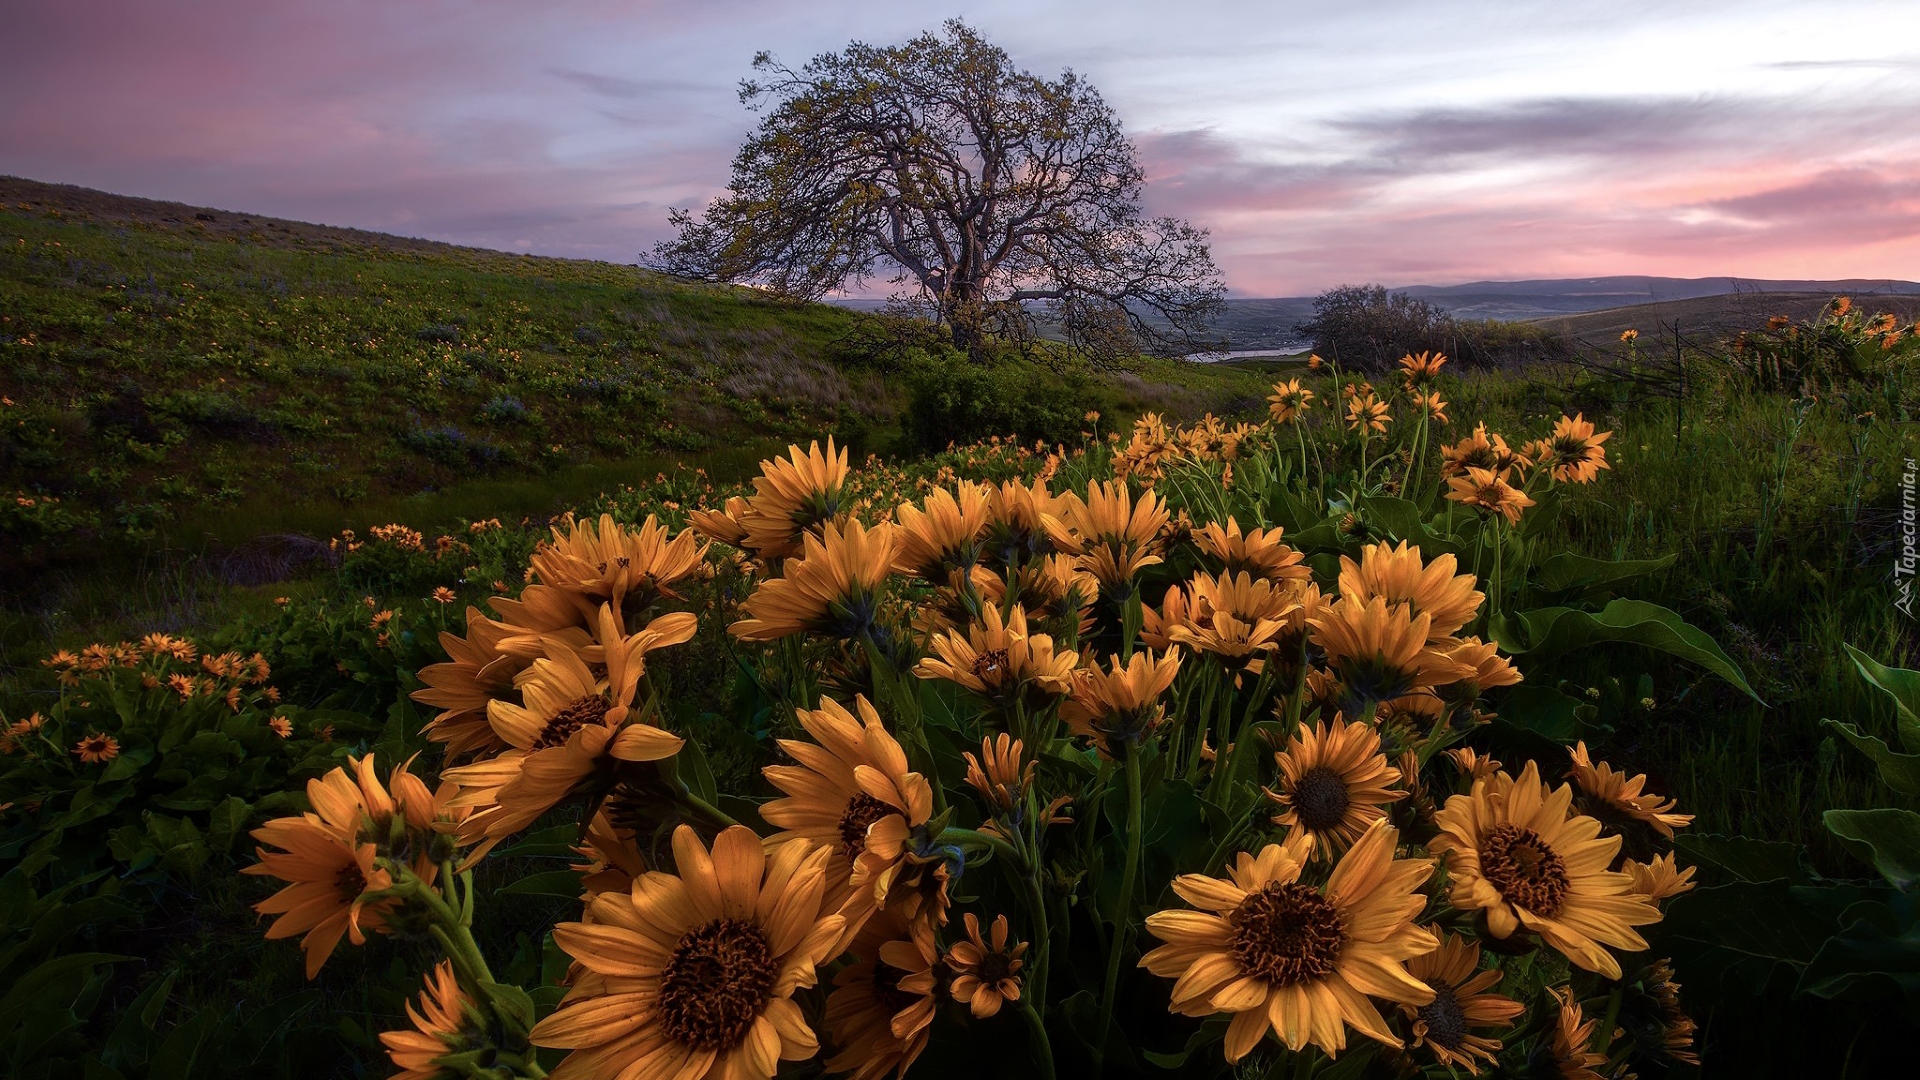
945 535
1288 401
1114 536
1615 797
1421 369
95 748
1481 450
475 674
796 496
1574 452
986 976
1300 960
446 1023
1488 491
1380 651
1400 575
1461 1002
851 795
881 1010
1334 783
695 971
573 727
1515 850
1118 707
832 589
1001 662
1258 553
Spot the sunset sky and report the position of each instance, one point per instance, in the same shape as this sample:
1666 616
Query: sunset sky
1399 142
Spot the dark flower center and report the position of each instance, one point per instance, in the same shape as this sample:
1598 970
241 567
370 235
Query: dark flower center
886 988
587 710
715 984
1446 1021
350 882
991 665
1320 799
1527 872
862 810
1287 934
994 966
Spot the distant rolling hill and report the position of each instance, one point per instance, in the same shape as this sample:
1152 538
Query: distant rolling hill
1267 324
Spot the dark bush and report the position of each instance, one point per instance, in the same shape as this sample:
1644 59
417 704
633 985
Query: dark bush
956 400
452 447
1367 328
445 333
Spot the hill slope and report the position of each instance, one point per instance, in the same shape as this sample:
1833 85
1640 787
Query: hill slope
160 360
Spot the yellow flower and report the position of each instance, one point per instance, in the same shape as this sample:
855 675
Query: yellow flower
1380 651
1481 450
474 674
1517 852
1400 575
1422 369
1461 1001
853 795
1432 402
1660 878
1334 784
1574 451
832 589
1484 489
442 1026
1629 335
945 536
573 727
95 748
1571 1048
986 976
1001 662
796 495
694 972
1114 536
1288 400
1120 706
881 1009
1259 553
1001 781
1609 794
1366 412
1304 961
1015 534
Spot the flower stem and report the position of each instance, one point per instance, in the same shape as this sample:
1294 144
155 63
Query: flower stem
1042 1046
1122 921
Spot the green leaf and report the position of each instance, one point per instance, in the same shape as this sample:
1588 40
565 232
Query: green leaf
1887 838
1865 962
1900 684
1543 711
1745 859
179 1054
1568 571
1545 633
1756 919
25 987
551 843
1901 772
128 763
226 823
550 883
129 1044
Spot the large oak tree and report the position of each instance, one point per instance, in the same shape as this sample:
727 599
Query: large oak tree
1006 199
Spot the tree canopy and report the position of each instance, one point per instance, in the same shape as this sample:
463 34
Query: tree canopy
1005 200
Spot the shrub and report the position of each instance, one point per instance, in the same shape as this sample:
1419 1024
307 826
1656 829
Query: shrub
1366 328
953 400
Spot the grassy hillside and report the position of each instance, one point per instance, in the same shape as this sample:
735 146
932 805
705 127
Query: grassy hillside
163 364
1707 319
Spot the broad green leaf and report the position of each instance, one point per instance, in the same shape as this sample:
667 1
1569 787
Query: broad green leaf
1900 684
552 843
563 883
1900 771
1544 711
1744 858
1545 633
129 1044
1567 571
1757 919
226 822
1865 962
1887 838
